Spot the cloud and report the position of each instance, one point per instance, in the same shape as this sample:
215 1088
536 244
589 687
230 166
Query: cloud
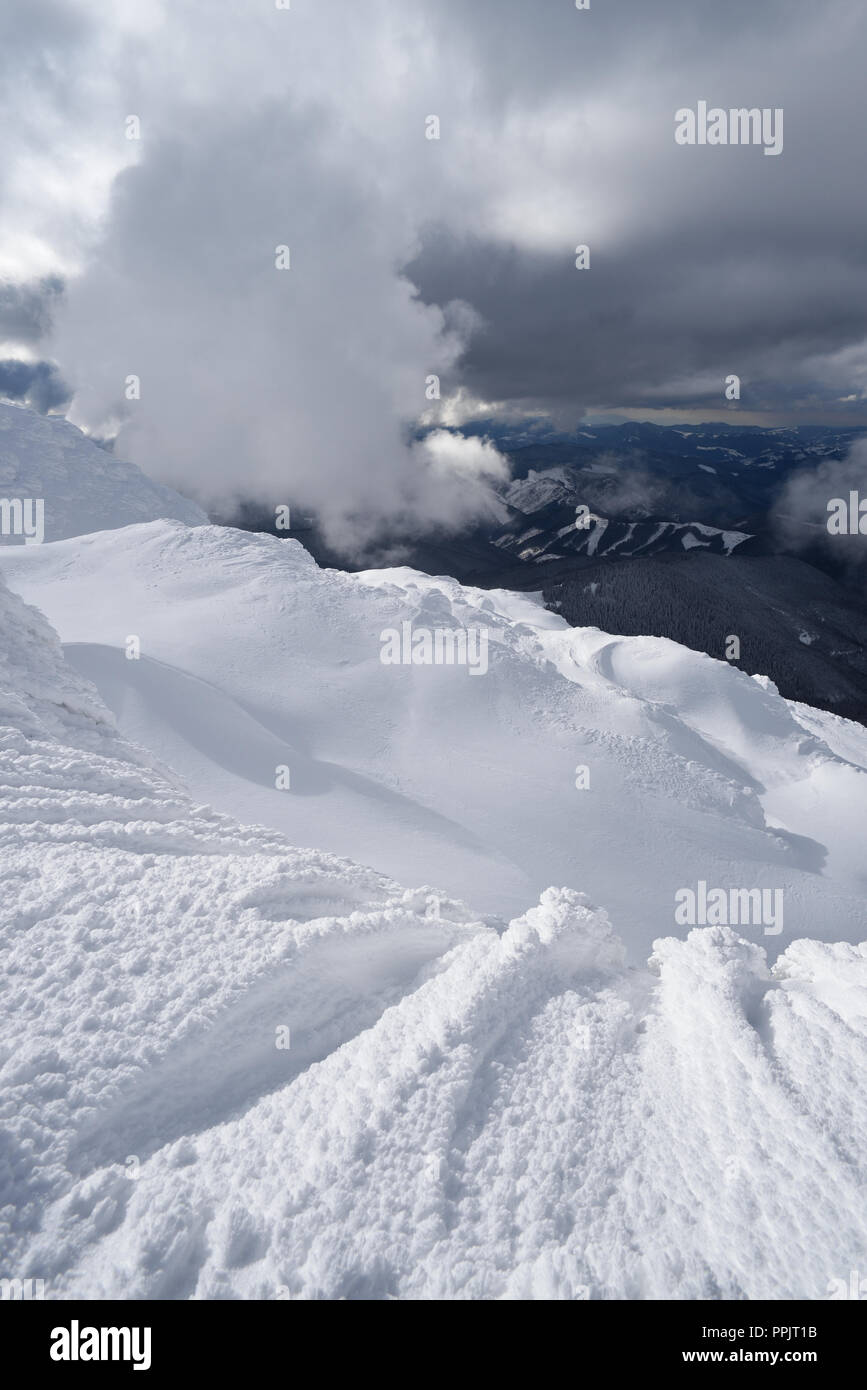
802 515
26 311
626 488
306 127
461 469
37 384
299 385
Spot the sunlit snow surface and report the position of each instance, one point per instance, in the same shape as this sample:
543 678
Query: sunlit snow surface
461 1113
469 1106
253 658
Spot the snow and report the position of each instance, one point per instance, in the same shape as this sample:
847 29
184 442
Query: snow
252 658
236 1064
600 526
731 539
85 488
540 489
461 1112
509 1130
661 529
624 539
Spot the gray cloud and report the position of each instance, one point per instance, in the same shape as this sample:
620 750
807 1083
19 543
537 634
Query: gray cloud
802 512
37 384
659 326
296 385
27 311
306 127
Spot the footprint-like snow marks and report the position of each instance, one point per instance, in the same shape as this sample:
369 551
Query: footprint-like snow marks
252 658
531 1121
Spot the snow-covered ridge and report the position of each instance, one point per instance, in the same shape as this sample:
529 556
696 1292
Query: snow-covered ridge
234 1069
253 658
556 489
84 488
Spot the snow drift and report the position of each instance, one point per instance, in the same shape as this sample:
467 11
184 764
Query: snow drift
252 658
459 1112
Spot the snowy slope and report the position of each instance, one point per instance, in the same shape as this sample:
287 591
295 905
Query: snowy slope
252 658
544 527
540 489
84 488
134 923
460 1113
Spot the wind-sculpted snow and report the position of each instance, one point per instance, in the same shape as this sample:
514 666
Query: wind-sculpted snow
232 1069
252 658
151 947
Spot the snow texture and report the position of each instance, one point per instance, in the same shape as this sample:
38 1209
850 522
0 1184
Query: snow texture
231 1068
253 658
461 1113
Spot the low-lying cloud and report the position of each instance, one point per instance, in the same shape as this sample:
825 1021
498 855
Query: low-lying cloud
806 506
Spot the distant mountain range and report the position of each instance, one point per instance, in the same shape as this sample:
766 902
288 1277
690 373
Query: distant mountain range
669 531
656 489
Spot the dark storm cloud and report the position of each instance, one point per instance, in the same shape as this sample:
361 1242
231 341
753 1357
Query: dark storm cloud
453 257
661 324
718 261
37 384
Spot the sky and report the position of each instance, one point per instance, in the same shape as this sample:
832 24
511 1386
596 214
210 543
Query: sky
256 127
